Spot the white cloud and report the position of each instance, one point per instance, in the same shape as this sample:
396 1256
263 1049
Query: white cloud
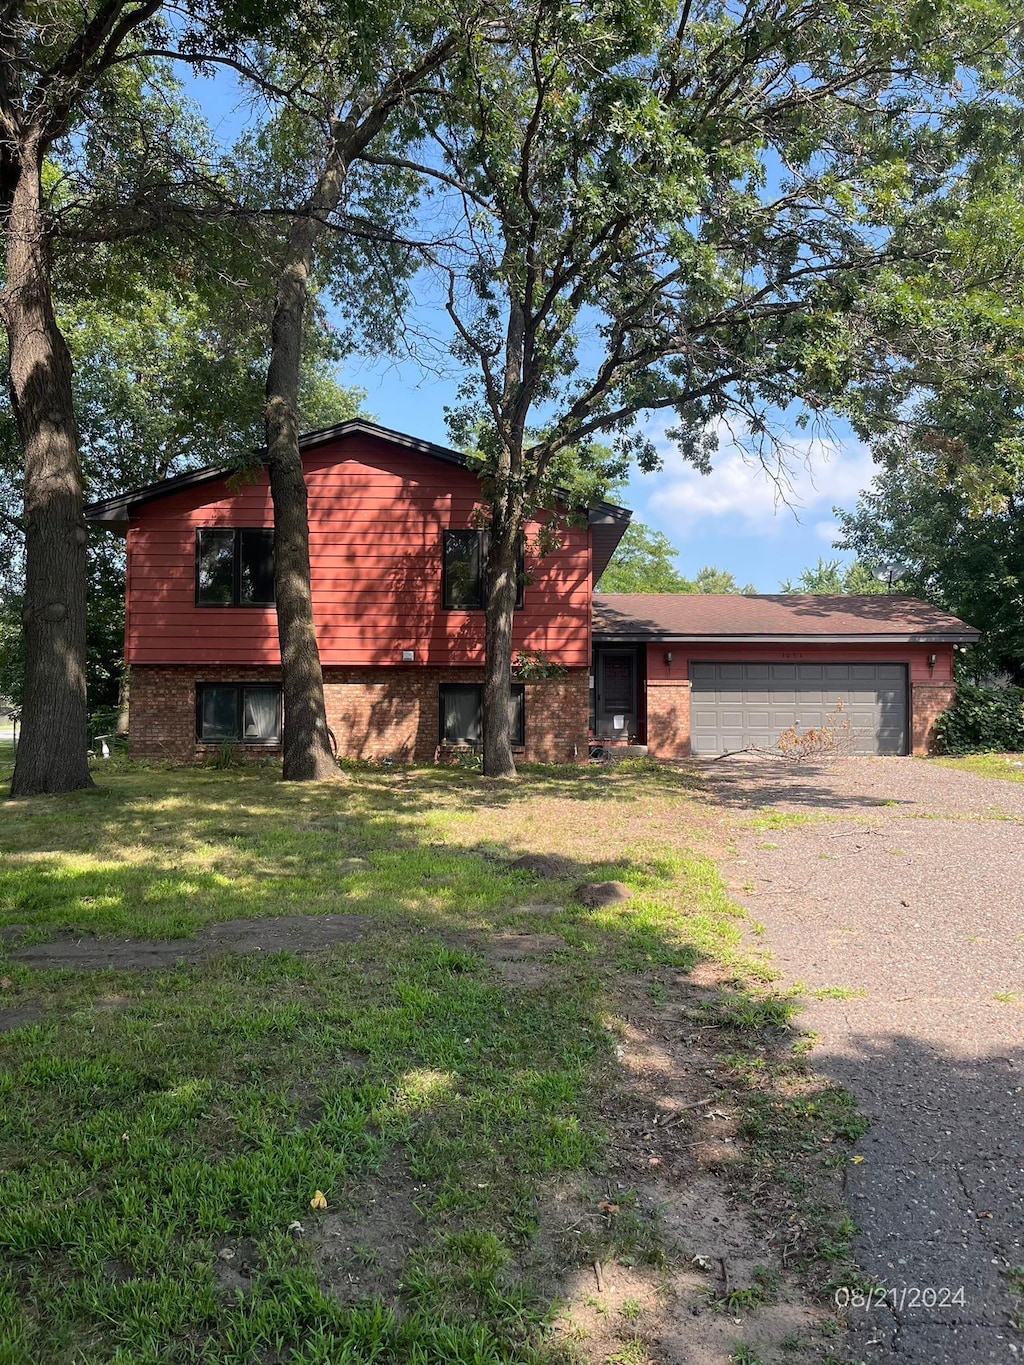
827 531
740 495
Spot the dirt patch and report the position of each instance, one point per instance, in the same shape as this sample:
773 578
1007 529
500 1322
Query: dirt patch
362 1251
542 865
687 1272
286 933
236 1265
520 959
112 1004
596 895
19 1016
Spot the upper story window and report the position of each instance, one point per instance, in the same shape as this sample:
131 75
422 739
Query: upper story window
464 571
234 567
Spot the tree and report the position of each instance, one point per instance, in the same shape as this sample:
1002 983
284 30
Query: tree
360 101
624 239
642 562
714 580
967 561
829 576
85 142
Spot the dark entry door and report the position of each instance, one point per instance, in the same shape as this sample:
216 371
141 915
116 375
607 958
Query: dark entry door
615 706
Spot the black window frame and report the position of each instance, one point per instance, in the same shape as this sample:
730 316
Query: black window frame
518 689
483 543
236 567
238 738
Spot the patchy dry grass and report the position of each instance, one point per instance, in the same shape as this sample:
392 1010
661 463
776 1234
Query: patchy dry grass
481 1044
1008 767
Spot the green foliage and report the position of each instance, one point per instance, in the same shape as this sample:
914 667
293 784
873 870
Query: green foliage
966 561
982 719
643 562
532 664
830 577
680 208
714 580
617 177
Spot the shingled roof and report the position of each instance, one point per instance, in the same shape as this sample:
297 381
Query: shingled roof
777 618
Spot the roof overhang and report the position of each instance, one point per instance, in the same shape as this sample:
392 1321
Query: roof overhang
963 637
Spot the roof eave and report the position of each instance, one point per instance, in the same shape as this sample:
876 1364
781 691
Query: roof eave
962 637
115 512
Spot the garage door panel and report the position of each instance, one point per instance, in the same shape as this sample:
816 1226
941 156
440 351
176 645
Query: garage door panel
734 706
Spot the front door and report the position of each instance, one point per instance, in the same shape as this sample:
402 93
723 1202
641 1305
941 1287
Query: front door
615 707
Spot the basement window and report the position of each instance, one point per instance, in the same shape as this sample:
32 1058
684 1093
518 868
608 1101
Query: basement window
234 567
461 714
238 713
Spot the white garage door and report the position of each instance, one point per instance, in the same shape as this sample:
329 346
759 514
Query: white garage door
734 706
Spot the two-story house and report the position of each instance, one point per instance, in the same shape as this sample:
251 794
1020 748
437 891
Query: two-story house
397 559
398 568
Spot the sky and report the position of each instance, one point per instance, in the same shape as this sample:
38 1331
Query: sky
762 529
738 517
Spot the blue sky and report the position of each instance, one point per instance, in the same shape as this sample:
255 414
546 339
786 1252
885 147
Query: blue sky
737 518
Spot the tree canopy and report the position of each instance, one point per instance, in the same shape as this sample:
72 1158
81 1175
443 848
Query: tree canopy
831 576
644 562
967 561
675 208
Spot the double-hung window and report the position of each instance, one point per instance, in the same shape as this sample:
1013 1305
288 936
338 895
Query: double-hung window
238 713
234 567
461 714
464 571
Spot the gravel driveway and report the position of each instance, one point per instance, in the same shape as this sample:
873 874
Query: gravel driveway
905 887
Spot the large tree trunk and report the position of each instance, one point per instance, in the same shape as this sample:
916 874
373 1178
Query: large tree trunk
307 747
52 753
501 601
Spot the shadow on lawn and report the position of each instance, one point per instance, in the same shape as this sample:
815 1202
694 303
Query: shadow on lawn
163 1133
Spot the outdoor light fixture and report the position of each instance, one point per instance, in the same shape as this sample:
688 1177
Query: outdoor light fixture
668 657
932 660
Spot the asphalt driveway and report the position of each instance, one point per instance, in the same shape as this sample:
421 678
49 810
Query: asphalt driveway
897 887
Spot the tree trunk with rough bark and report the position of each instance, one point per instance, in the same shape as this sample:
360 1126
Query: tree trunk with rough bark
306 743
503 589
52 755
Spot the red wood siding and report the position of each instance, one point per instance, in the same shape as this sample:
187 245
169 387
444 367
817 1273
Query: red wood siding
725 652
376 516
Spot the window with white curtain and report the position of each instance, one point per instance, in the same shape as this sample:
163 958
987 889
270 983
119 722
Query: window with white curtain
239 713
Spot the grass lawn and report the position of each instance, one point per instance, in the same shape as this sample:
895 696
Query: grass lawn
444 1077
1009 767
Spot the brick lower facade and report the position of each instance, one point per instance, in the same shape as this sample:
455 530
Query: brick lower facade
375 713
928 701
668 717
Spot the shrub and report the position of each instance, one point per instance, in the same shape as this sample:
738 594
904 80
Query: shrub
982 719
